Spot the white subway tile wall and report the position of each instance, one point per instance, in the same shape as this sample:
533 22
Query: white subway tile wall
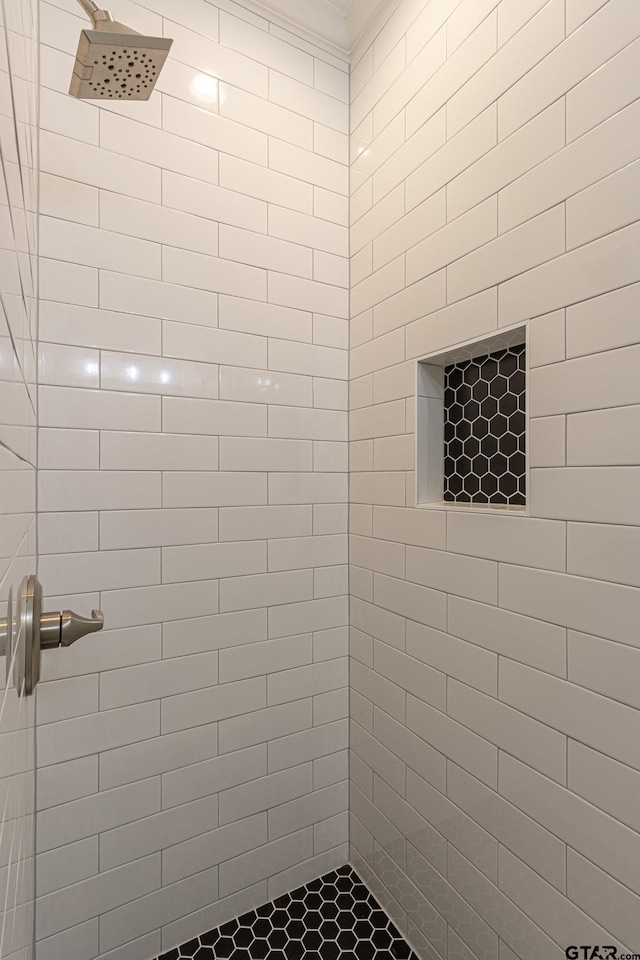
18 459
494 713
193 371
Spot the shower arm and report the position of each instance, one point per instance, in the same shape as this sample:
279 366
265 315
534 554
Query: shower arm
93 11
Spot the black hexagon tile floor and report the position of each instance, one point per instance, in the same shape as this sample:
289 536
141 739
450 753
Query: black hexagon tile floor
332 918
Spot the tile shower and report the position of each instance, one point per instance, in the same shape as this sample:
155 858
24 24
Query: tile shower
193 450
469 743
494 727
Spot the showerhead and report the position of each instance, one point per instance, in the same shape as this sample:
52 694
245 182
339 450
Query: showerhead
114 62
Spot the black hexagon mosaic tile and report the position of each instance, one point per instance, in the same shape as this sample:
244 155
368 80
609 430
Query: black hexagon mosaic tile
484 429
332 918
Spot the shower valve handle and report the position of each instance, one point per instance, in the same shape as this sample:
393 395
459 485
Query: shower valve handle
63 629
27 631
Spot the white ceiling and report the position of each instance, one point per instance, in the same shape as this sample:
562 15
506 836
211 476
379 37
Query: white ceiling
335 24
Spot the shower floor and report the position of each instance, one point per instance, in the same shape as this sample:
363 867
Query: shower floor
332 918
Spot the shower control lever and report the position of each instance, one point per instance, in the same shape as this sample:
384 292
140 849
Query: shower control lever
28 631
63 629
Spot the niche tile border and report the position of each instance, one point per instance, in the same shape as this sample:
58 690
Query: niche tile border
334 917
450 472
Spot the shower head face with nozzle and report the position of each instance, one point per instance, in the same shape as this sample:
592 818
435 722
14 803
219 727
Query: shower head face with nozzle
116 63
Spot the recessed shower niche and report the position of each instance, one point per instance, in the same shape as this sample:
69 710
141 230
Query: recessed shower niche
471 424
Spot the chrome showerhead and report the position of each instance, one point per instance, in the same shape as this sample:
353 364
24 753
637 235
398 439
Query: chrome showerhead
114 62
